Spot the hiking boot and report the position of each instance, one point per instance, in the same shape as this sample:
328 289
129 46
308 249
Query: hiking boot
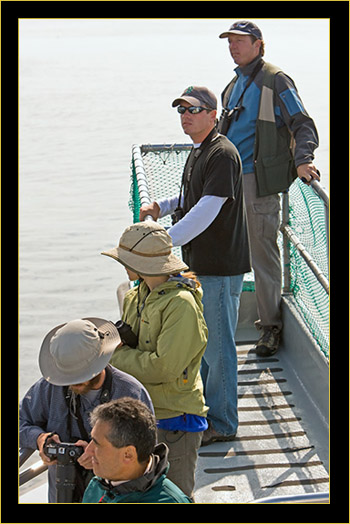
211 435
268 342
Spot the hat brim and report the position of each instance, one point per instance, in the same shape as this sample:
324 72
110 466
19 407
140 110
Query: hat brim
236 32
148 266
88 370
190 99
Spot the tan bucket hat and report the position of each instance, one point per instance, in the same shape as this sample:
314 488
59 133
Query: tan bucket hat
77 351
145 248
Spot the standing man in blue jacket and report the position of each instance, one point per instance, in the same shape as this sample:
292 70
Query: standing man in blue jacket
265 119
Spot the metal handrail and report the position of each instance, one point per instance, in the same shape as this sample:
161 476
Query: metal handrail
322 193
24 454
287 230
140 175
306 498
34 470
145 148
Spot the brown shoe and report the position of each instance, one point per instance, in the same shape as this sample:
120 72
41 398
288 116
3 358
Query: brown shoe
211 435
268 342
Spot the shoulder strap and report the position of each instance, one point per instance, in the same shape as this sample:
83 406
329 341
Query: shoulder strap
197 152
106 393
83 432
225 96
188 166
105 396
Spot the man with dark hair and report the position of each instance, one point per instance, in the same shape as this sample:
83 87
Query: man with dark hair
129 466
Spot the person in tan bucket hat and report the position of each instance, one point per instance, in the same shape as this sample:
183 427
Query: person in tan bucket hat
165 312
145 248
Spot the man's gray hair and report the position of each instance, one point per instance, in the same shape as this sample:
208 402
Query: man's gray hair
130 422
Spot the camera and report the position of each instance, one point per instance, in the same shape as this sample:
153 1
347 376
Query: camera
67 468
177 215
64 452
127 336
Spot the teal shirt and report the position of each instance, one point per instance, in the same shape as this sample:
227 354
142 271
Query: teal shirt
163 491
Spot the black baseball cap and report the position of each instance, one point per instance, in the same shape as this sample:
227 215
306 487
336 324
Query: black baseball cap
243 27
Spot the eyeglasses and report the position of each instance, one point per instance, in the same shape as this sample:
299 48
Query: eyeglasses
194 110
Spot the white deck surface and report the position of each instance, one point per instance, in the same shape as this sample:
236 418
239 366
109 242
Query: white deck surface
273 453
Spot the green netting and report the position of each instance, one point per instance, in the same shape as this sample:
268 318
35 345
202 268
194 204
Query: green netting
163 167
307 218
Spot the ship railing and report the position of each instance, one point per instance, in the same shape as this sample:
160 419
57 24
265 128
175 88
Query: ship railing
303 239
32 471
305 498
290 236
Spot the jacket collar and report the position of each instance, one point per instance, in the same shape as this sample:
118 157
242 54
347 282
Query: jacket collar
249 68
172 283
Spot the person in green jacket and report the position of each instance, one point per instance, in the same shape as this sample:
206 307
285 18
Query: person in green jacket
129 466
165 312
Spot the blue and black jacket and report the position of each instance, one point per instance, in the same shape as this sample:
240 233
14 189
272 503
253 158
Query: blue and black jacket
284 108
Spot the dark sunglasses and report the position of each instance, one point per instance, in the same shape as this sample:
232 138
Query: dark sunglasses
194 110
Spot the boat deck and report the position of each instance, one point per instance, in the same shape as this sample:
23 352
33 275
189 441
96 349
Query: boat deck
281 447
272 454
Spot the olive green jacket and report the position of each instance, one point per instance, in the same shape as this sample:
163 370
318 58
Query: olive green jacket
172 337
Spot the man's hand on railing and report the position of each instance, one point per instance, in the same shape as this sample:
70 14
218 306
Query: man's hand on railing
150 209
308 172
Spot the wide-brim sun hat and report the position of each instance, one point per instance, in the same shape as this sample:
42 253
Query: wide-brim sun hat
145 248
77 351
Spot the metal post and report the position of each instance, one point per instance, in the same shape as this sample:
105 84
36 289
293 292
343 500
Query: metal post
286 243
316 186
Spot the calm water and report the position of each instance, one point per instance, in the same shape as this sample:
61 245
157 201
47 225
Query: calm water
89 89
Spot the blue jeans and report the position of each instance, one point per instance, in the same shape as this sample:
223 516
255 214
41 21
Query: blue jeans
221 296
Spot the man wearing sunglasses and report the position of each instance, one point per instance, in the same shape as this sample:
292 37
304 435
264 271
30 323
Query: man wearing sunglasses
210 225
